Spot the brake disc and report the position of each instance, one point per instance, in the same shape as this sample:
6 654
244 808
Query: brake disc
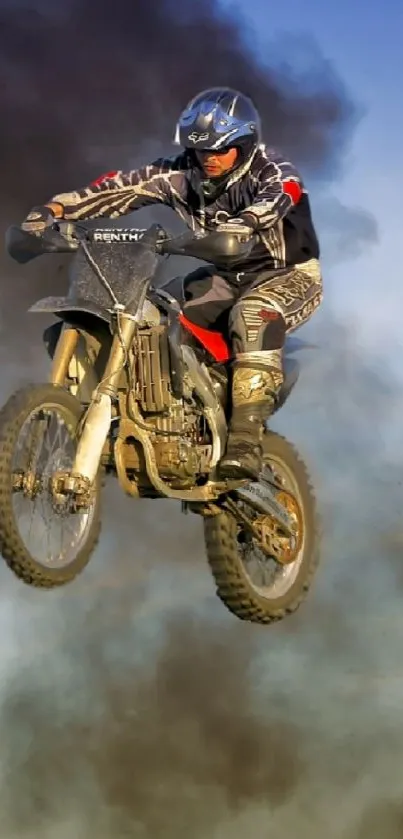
273 541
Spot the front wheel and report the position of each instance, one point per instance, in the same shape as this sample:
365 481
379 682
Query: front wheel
254 586
43 539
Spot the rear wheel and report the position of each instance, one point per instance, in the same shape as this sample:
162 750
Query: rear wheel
44 539
253 585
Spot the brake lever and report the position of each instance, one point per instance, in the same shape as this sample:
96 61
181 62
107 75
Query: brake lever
69 230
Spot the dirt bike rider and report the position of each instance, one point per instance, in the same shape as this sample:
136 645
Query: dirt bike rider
224 178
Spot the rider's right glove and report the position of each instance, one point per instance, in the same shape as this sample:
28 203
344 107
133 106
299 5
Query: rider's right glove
236 226
38 220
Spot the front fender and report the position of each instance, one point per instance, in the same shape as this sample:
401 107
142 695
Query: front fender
62 306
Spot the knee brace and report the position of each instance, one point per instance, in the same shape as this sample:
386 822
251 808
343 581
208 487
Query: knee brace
253 329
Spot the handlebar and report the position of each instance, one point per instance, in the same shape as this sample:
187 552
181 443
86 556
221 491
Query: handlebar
67 237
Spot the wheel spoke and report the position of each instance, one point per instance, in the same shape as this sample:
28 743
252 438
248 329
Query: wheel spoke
47 445
43 539
261 572
269 576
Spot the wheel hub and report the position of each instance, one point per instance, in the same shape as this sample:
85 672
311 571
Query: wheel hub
64 485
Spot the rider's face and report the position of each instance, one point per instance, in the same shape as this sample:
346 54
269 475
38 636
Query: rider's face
216 163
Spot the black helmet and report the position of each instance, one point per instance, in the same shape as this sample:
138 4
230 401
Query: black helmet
218 119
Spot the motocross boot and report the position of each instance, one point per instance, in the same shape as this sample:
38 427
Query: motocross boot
254 394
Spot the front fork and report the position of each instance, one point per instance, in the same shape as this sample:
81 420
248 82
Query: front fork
65 349
99 415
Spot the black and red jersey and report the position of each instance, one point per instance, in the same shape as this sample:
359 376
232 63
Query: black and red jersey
268 193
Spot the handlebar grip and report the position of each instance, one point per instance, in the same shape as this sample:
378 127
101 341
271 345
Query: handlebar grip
23 246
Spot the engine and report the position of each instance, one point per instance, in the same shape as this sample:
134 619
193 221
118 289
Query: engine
180 433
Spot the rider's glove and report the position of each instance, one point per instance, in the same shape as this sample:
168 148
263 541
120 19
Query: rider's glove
237 226
38 220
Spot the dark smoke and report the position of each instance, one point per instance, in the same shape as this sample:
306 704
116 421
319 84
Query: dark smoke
170 744
138 707
133 704
87 91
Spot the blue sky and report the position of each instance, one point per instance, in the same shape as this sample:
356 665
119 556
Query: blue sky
363 41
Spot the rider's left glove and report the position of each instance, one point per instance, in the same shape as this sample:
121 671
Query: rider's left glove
40 218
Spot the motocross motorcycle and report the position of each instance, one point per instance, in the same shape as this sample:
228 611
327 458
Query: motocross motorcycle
137 391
